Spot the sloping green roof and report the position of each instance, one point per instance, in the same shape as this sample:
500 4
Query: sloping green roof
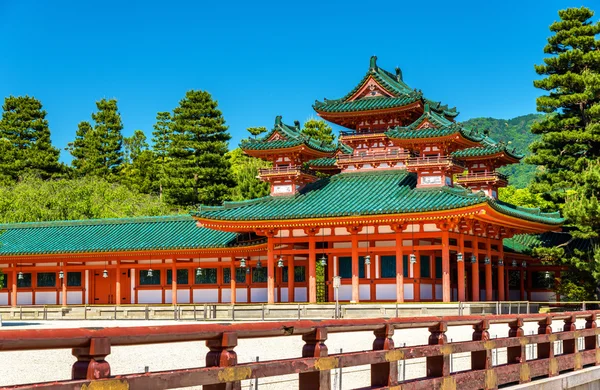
487 150
525 243
323 162
110 235
401 92
293 137
360 193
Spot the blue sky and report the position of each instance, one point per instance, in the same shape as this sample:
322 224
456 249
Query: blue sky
262 59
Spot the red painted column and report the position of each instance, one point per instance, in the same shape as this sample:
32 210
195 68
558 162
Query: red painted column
270 269
501 284
232 281
460 267
291 284
173 281
446 295
475 269
384 374
64 285
118 282
315 347
489 296
399 268
355 280
312 268
13 293
417 277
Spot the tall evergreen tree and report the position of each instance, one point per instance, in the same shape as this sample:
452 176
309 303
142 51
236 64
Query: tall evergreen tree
85 150
25 126
134 145
162 136
198 171
107 128
569 148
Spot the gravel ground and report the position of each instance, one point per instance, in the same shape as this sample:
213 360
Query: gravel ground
37 366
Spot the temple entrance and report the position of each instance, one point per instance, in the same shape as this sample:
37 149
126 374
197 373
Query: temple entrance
104 289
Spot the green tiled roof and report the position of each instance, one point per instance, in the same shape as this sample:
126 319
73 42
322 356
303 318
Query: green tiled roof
342 147
323 162
110 235
292 137
361 193
525 243
401 92
531 214
486 150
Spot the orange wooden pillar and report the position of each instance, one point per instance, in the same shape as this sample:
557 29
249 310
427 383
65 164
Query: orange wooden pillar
460 268
417 277
232 281
446 295
118 283
489 296
291 281
270 269
13 292
63 285
399 267
173 281
501 272
355 280
475 268
312 268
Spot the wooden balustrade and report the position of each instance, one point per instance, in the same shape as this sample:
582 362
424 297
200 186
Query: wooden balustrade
372 156
286 170
481 176
433 161
92 346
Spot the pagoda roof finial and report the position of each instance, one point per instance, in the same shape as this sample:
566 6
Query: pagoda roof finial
278 120
398 74
373 63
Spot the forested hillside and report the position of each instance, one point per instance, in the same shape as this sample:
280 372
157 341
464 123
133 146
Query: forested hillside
517 132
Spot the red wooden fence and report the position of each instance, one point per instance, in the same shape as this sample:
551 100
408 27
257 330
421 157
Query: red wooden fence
92 347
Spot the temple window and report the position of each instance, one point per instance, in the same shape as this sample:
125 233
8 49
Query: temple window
26 281
425 266
240 275
5 281
542 279
438 268
299 274
146 280
388 266
209 276
345 264
46 279
259 275
74 279
182 276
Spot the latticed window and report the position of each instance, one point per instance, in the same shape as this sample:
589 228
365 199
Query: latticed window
299 274
240 275
259 275
542 280
345 264
425 266
388 266
46 279
25 281
147 280
438 268
209 276
182 276
74 279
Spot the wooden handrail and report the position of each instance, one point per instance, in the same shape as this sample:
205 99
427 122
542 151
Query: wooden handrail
373 156
494 175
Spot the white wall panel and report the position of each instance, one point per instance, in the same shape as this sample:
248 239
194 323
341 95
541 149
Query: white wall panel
206 295
385 292
150 296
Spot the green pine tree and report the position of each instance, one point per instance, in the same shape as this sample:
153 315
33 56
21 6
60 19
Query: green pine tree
85 150
255 131
198 171
161 143
134 146
25 126
107 128
318 129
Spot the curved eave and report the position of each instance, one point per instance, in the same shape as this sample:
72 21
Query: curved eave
456 137
302 148
523 224
503 156
344 114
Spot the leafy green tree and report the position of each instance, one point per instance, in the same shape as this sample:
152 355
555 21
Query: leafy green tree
255 131
245 172
319 130
134 146
33 199
25 126
162 136
569 148
85 150
198 171
107 128
9 168
141 174
522 197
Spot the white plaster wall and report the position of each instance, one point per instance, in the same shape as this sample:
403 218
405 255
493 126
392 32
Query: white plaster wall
439 293
4 298
482 295
24 298
514 295
225 295
543 296
73 297
345 292
454 295
260 295
364 292
183 296
150 296
385 291
241 295
45 298
206 295
87 283
342 245
409 291
132 286
385 243
426 291
300 294
284 295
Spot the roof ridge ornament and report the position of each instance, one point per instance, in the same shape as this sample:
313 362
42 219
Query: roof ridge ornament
373 64
398 74
278 120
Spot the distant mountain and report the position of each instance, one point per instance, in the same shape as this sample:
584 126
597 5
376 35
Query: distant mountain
517 132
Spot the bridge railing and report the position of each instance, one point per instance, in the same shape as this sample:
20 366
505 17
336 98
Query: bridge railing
92 347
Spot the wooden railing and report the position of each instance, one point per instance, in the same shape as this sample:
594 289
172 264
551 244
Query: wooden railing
372 156
293 170
481 176
91 346
433 161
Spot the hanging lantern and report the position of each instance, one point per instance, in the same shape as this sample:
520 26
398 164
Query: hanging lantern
413 258
248 270
20 276
473 259
367 260
105 273
323 260
61 275
258 264
459 256
514 263
243 262
523 264
198 271
486 260
150 273
500 263
280 262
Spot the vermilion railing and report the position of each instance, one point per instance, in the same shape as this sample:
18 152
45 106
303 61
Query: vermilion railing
294 170
479 176
92 346
436 161
373 156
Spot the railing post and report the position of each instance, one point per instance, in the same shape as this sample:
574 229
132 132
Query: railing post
90 362
384 374
315 347
591 342
517 354
481 360
438 366
570 346
221 354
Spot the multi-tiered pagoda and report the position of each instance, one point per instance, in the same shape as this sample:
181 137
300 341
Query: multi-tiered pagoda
404 208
